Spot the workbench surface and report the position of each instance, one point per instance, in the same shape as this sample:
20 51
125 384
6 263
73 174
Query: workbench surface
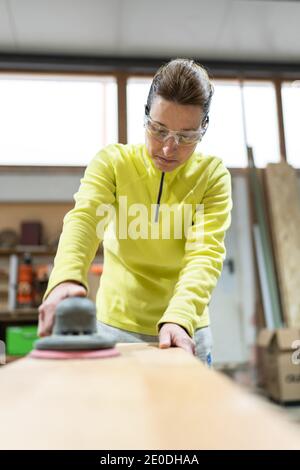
146 398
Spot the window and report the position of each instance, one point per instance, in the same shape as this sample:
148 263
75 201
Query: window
225 135
291 105
137 93
55 120
262 122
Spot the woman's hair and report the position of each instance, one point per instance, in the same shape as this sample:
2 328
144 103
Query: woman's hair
184 82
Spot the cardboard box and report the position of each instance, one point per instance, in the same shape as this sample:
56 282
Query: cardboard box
263 353
279 363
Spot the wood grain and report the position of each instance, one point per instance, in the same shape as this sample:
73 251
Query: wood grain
257 194
146 398
284 209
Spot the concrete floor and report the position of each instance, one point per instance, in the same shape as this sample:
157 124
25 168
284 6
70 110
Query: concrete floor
246 376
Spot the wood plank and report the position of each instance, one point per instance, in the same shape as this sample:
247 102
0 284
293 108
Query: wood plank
261 218
146 398
284 202
266 300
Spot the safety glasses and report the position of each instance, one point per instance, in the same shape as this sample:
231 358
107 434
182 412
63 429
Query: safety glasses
162 133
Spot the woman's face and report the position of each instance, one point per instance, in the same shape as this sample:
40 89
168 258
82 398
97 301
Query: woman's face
168 155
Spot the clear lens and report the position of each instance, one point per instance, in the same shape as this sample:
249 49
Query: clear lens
162 134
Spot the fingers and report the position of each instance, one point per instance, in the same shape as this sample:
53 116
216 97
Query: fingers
172 334
40 324
164 339
47 309
186 344
46 319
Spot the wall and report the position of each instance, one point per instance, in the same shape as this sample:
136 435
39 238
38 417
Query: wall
40 194
49 214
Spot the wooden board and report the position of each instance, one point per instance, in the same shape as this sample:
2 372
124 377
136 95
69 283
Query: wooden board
284 203
146 398
261 218
263 279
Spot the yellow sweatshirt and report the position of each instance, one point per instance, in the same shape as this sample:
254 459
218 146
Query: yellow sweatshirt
161 262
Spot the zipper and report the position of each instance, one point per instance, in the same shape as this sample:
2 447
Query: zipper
159 196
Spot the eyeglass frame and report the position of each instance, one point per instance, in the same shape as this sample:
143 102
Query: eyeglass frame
199 132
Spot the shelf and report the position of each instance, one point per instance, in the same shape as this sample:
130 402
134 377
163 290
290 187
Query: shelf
33 250
19 314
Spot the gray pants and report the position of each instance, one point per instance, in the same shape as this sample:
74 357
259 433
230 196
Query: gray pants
202 338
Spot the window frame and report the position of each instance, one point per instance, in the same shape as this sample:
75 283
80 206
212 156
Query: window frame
122 73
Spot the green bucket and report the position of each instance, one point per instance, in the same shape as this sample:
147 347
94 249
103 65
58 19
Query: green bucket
20 339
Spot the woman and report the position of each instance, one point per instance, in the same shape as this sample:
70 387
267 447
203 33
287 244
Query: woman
169 209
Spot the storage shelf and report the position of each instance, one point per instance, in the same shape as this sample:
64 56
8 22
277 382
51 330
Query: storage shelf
33 250
19 314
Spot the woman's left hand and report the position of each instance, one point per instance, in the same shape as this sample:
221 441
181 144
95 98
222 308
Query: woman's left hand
171 334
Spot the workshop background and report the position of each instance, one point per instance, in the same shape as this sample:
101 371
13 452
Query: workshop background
74 76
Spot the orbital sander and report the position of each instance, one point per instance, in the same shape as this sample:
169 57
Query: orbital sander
75 334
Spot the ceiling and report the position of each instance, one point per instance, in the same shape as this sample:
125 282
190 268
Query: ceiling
253 30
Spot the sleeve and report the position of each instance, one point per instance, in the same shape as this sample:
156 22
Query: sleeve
204 254
79 240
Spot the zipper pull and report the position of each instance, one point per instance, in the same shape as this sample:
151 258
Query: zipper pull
159 196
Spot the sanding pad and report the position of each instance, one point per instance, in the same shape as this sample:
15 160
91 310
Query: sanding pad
75 342
93 354
75 333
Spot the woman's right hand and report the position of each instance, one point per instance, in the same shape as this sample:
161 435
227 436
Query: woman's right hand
47 308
